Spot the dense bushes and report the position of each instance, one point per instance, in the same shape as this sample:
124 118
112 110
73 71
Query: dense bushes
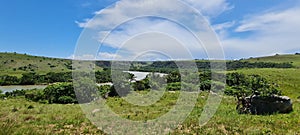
35 95
8 80
56 93
242 85
33 78
171 66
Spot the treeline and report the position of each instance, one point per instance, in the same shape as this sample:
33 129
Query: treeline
33 78
170 66
84 90
231 65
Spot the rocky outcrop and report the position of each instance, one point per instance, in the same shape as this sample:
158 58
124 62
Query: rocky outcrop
266 104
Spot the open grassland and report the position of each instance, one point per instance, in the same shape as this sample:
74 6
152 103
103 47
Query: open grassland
294 59
18 118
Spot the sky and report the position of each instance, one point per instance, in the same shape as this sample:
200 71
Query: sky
150 30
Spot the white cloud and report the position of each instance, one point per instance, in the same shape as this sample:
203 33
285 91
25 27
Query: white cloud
125 10
270 33
159 36
107 56
221 29
277 20
82 57
210 8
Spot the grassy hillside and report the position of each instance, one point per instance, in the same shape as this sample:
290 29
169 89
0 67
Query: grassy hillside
16 64
291 58
287 79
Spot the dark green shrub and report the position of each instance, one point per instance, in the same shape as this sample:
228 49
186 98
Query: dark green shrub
66 100
55 91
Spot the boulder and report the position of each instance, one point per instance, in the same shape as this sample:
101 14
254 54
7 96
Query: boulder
269 104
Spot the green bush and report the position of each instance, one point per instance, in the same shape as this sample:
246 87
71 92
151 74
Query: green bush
35 95
55 91
174 86
66 100
240 84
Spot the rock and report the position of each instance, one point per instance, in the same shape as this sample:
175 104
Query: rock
270 104
94 112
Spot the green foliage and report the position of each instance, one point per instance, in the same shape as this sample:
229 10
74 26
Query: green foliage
241 84
8 80
142 84
55 91
173 86
66 100
121 85
15 93
35 95
173 77
86 89
28 79
104 90
103 77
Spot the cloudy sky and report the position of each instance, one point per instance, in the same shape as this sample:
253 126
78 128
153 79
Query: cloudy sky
155 30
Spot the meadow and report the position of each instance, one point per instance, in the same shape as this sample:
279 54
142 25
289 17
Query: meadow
21 116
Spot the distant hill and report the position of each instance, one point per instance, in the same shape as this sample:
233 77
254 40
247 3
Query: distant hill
16 64
294 59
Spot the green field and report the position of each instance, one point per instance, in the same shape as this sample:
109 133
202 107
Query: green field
290 58
20 116
16 118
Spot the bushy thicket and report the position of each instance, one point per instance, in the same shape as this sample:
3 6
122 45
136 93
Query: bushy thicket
33 78
171 66
239 84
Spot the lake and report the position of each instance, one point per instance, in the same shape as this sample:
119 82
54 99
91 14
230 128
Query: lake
20 87
142 75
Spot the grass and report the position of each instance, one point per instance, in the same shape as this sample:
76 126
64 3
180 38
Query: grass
19 116
15 64
16 118
294 59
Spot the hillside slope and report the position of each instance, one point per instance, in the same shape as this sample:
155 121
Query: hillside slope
16 64
290 58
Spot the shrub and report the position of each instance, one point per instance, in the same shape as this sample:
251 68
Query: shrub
55 91
66 100
35 95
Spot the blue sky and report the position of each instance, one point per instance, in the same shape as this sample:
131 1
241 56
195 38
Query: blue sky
245 28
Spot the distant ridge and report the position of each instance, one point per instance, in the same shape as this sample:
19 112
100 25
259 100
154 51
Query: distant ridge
294 59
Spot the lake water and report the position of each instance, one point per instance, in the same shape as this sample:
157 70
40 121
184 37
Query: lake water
142 75
20 87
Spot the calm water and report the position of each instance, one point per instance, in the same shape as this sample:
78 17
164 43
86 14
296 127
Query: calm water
142 75
20 87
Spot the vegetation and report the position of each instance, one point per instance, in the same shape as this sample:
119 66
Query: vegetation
51 111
